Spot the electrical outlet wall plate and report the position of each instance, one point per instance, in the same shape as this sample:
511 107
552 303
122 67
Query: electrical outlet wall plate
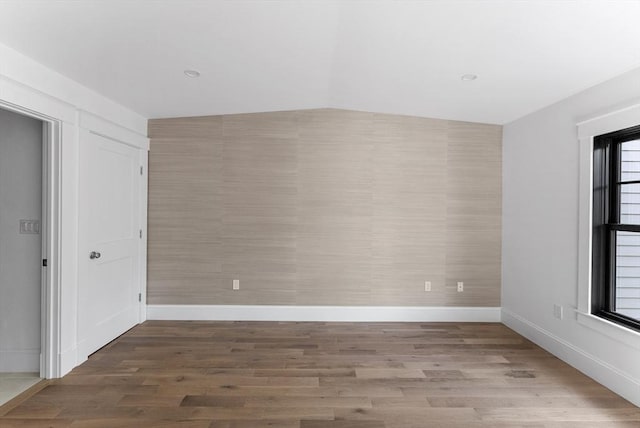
558 311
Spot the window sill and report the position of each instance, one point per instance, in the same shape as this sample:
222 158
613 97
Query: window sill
610 329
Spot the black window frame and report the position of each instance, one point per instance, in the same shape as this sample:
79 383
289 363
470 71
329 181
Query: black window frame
606 222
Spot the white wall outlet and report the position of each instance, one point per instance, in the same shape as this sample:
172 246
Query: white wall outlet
558 311
460 287
427 286
236 284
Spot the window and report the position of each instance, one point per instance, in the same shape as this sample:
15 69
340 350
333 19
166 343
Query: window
616 227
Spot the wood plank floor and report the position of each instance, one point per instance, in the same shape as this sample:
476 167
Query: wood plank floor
317 375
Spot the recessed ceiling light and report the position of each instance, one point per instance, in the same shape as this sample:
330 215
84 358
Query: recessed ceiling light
469 77
192 73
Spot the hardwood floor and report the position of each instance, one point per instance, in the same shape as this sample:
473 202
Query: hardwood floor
317 375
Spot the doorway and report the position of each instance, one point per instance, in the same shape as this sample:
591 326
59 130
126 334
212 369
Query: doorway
23 248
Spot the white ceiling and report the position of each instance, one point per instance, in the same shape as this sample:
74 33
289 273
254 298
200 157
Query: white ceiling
387 56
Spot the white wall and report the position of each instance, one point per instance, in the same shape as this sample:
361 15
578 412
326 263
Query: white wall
20 254
541 166
32 87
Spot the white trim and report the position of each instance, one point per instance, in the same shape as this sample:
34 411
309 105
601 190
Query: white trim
67 246
615 120
585 212
323 313
112 131
610 329
68 360
50 308
51 296
613 378
25 100
47 356
44 245
142 249
22 360
587 130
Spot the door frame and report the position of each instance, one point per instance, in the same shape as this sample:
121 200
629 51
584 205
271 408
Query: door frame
50 321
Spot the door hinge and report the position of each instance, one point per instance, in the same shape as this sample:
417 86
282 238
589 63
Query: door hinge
45 263
141 169
140 233
139 297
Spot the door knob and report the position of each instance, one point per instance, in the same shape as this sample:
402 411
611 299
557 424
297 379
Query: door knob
94 255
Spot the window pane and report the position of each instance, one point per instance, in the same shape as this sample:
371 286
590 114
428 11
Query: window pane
630 160
628 274
630 203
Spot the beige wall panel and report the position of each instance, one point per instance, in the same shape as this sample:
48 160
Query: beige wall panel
334 208
259 215
186 127
324 207
185 219
409 206
334 124
272 125
474 203
259 211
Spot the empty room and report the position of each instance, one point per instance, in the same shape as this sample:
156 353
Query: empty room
320 213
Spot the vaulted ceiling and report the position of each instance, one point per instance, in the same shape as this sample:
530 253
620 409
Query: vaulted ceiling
404 57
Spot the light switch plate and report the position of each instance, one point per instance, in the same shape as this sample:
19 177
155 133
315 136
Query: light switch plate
29 227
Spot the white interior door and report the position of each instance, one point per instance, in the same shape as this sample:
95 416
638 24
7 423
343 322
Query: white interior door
109 226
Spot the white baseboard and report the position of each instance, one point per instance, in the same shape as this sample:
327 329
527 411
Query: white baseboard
616 380
23 360
322 313
68 360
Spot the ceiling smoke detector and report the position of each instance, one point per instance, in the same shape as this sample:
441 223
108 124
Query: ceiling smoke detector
192 73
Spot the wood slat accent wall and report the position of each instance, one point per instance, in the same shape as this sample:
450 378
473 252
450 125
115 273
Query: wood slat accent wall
324 207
